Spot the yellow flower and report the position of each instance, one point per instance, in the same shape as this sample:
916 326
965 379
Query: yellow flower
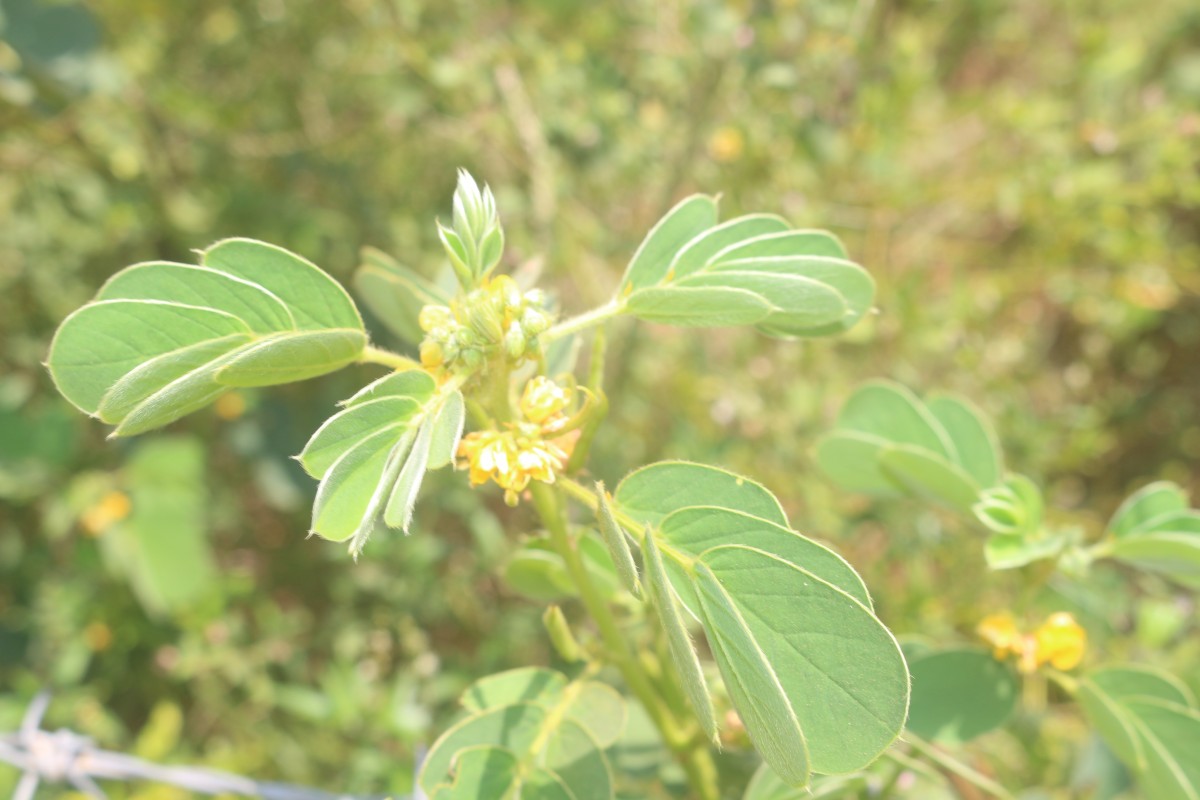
543 399
112 508
1061 641
1000 631
510 460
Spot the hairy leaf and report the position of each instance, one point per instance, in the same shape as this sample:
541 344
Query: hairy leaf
749 270
161 339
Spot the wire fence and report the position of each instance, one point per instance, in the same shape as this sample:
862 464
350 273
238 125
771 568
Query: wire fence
62 756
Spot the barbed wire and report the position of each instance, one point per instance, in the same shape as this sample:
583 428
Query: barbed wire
64 756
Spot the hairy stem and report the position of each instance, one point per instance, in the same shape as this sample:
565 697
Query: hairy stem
377 355
581 322
690 749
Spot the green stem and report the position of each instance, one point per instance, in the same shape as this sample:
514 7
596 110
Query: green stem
688 747
585 320
377 355
953 765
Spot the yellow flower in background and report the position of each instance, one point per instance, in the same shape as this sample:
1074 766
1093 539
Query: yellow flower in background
726 144
1061 641
1001 632
113 507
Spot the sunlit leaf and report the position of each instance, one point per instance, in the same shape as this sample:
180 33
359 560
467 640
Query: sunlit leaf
161 340
691 217
543 721
679 642
749 270
371 456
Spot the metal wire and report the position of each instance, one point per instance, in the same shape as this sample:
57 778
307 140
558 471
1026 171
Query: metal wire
66 757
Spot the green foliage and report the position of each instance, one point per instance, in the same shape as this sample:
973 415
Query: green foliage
1151 721
1156 530
372 456
958 695
528 733
161 340
1028 220
887 442
771 606
750 270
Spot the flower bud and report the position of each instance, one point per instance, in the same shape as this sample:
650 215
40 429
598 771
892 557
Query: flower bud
434 316
514 342
431 354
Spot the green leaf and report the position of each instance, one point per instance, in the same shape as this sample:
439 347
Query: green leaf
1170 735
539 575
766 785
1011 550
595 706
395 294
705 248
691 217
696 306
695 529
691 271
162 548
372 456
853 284
161 339
784 244
538 572
820 683
403 498
542 721
893 413
797 304
1104 695
1145 504
973 437
494 772
927 475
447 431
1176 555
652 492
958 695
679 642
617 544
851 460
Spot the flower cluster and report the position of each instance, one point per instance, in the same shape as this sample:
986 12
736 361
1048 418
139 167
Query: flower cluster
1060 641
535 448
493 319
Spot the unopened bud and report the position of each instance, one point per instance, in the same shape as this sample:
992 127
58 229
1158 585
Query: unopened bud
514 342
431 354
434 316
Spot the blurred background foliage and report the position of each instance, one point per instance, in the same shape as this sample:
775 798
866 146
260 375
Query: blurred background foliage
1020 177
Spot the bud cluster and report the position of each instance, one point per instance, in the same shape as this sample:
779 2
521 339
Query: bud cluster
497 318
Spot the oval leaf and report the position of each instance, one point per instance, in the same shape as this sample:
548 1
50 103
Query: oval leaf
163 339
824 682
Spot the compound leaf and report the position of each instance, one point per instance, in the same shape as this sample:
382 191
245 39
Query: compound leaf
1152 500
161 339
